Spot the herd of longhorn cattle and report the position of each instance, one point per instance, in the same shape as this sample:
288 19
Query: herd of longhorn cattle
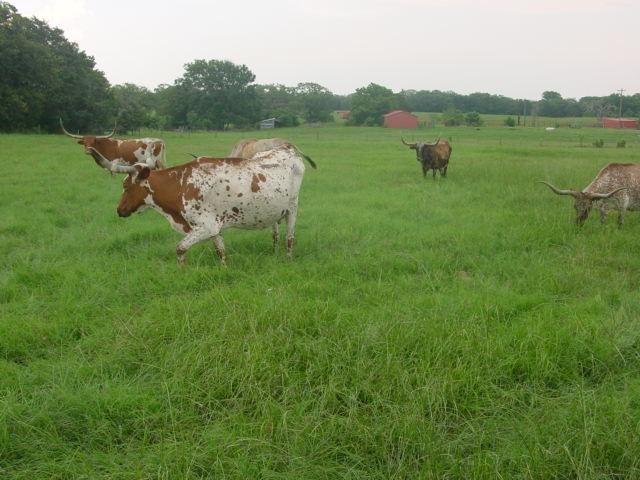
256 187
258 184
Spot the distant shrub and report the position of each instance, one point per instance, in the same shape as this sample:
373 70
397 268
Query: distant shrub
598 143
452 117
621 143
509 122
473 119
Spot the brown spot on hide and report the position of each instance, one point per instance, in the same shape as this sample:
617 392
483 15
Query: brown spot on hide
235 210
255 187
262 177
240 194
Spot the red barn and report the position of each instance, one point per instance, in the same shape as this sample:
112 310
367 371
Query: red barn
619 123
400 119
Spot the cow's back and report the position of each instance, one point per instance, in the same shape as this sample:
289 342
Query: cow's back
249 194
616 175
249 148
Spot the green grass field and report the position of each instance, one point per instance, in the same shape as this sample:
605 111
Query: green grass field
456 328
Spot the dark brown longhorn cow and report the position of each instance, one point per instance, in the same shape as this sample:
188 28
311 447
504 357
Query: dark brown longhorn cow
432 156
150 151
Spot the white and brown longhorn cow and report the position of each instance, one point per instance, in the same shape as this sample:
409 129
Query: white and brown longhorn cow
150 151
249 147
616 187
207 195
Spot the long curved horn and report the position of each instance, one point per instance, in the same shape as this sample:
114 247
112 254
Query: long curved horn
115 126
109 165
407 144
606 195
67 133
434 143
573 193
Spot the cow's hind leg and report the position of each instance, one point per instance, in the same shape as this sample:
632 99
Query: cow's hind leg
220 249
621 217
275 235
292 213
434 172
444 171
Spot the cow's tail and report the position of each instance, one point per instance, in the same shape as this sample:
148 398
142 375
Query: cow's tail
305 156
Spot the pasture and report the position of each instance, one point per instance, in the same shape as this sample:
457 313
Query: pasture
456 328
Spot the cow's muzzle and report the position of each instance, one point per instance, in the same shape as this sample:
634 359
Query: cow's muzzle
123 213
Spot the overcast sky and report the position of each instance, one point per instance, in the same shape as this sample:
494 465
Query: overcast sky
517 48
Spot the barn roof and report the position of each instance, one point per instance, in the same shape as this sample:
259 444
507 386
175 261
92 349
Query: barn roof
396 112
617 119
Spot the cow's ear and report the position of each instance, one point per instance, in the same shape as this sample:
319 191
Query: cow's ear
143 173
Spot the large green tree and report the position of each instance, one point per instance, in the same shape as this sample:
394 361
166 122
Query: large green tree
44 76
316 102
280 102
215 94
370 103
134 104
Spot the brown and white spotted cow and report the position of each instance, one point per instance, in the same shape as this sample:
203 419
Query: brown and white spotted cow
207 195
616 187
150 151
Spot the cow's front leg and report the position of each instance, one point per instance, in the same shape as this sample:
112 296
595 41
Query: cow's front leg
193 237
621 217
424 170
604 212
434 172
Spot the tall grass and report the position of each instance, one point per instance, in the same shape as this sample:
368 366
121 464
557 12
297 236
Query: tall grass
457 328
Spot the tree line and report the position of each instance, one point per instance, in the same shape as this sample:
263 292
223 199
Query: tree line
43 76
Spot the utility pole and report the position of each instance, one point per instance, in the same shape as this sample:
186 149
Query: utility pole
620 111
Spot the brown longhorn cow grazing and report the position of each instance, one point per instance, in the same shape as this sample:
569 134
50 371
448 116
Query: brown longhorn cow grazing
616 187
432 156
150 151
207 195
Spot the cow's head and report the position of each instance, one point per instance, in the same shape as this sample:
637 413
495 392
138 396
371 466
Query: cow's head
421 148
582 201
135 190
90 142
135 185
412 146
